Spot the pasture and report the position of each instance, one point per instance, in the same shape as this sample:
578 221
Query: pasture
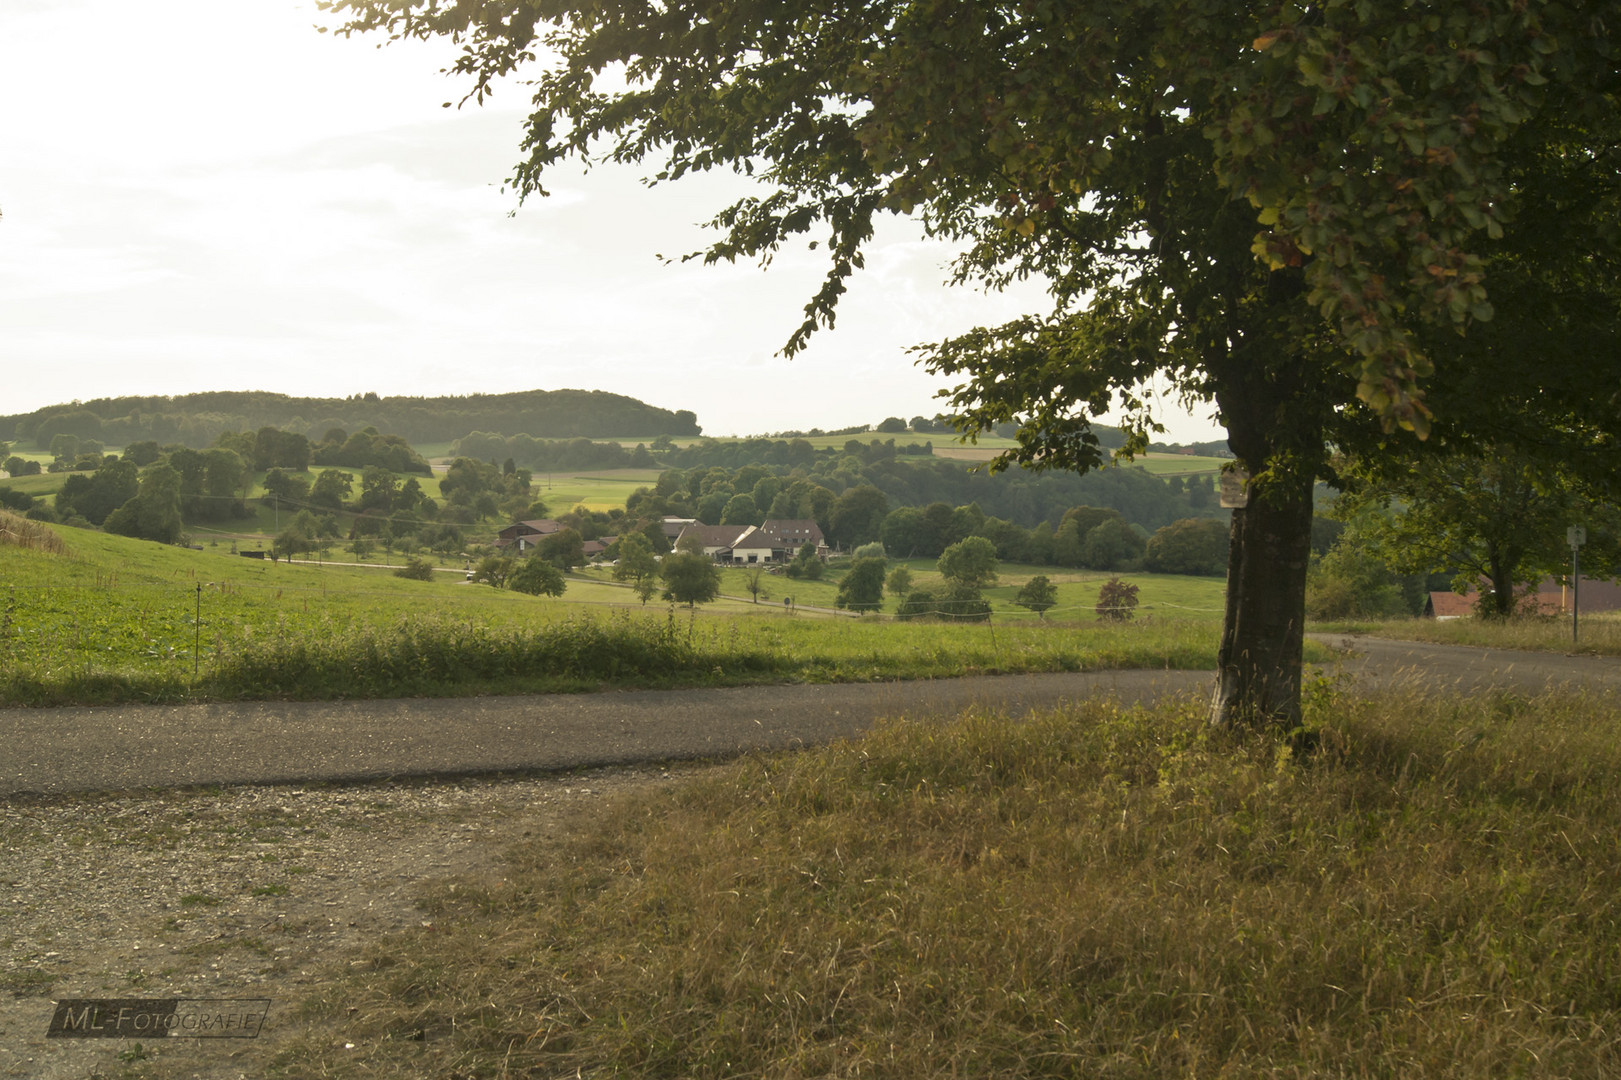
114 619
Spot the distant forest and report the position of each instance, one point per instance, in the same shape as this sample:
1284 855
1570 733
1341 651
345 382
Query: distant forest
196 420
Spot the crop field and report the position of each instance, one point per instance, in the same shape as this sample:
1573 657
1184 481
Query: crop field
602 489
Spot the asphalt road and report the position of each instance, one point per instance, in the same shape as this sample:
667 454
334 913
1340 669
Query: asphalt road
56 751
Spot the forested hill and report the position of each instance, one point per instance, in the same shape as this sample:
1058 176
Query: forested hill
197 419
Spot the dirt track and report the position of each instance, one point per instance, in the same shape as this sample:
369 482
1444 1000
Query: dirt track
54 751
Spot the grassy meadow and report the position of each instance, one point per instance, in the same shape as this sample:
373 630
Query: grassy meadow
110 619
1093 892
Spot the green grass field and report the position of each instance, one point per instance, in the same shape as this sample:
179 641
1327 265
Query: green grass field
115 619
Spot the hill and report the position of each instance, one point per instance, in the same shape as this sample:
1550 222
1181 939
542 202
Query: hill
197 419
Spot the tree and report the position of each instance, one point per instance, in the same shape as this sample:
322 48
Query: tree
754 581
379 489
154 512
1117 600
1038 594
862 587
1191 546
563 547
1110 544
857 516
96 496
689 578
741 510
415 570
970 562
538 577
1496 523
806 564
331 488
285 489
1289 210
495 570
899 581
636 562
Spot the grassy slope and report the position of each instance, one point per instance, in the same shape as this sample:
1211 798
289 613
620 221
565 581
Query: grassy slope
1091 893
117 620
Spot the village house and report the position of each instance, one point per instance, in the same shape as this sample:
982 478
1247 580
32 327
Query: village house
717 540
1551 598
520 536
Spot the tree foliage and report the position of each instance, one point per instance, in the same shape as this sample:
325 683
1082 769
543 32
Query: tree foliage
537 576
862 586
1038 594
970 563
1290 210
1117 600
1190 546
1497 524
690 578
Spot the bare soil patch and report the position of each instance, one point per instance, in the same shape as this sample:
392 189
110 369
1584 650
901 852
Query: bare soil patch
242 892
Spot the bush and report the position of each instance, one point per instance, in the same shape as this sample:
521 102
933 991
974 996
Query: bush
919 604
1038 594
1117 601
963 603
416 570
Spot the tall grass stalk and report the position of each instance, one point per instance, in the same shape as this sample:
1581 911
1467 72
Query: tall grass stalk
1091 893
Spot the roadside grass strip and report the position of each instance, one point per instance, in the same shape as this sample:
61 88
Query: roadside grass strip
1091 892
1599 634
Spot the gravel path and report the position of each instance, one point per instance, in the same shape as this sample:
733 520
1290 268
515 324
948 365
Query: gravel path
239 851
58 751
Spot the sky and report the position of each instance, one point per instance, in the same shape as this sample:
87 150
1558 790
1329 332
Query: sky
212 195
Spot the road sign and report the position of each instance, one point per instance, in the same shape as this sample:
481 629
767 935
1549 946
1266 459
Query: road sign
1576 536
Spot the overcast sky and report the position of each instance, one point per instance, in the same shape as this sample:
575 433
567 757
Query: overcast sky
210 195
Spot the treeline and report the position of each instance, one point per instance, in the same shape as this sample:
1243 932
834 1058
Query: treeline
909 476
543 455
196 420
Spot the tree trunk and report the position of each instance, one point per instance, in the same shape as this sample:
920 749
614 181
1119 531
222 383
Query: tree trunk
1262 633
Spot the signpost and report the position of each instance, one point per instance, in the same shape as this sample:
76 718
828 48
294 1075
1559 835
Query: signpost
1576 535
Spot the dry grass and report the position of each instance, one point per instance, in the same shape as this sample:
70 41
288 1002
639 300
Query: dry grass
18 531
1093 893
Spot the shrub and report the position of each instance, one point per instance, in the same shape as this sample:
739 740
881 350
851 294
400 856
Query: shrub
1038 595
416 570
1117 600
919 604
